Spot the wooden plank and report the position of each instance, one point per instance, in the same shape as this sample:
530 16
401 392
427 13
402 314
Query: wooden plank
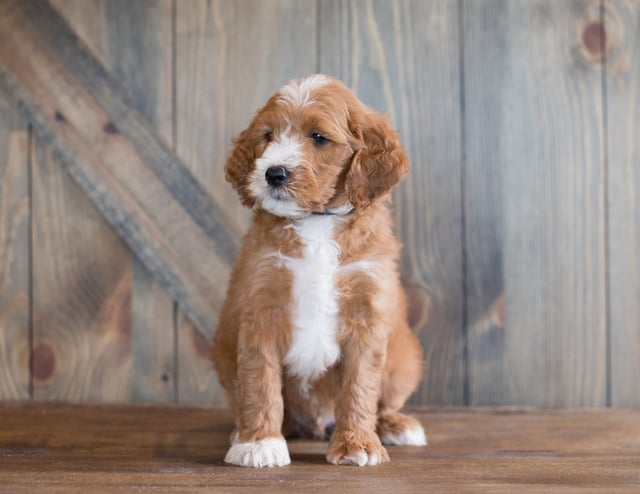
225 71
386 51
14 254
81 293
486 34
133 40
622 28
80 449
108 147
534 204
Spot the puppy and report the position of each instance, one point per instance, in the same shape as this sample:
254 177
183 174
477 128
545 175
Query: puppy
313 337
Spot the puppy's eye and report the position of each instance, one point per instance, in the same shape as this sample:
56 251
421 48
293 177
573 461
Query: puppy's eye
268 136
319 139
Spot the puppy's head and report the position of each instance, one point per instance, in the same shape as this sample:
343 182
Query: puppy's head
315 147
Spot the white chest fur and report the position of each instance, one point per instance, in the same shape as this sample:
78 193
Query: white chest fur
315 320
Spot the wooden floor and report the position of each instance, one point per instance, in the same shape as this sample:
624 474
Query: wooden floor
72 448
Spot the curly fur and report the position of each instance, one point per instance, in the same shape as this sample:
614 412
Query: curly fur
313 338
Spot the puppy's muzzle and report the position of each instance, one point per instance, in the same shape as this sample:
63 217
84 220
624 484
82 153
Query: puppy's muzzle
277 176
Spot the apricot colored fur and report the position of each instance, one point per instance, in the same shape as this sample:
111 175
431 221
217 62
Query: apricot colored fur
380 360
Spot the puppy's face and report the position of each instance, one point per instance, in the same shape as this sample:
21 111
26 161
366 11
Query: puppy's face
314 147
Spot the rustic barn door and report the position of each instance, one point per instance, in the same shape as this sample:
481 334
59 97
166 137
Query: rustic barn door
520 218
15 345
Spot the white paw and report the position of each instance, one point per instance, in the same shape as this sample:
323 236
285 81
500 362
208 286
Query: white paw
410 437
270 452
360 459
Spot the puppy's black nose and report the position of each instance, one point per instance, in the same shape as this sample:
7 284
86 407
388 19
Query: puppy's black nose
277 176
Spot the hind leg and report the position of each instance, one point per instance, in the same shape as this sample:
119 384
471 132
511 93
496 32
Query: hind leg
402 374
398 429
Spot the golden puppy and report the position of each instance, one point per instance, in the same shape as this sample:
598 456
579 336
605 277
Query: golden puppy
313 335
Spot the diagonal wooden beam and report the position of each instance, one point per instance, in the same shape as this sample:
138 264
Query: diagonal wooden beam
143 190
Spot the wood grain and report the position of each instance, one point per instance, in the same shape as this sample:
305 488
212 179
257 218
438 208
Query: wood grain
230 58
486 58
622 28
402 57
164 215
520 216
140 41
14 253
534 123
81 293
134 42
164 449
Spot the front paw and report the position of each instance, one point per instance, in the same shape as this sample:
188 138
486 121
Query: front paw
271 452
356 448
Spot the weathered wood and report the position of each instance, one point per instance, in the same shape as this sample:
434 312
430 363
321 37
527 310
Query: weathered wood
154 376
134 41
530 238
402 57
164 449
14 254
149 197
538 218
82 272
225 71
81 293
486 56
622 37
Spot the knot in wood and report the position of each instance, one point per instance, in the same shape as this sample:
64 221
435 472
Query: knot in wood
43 362
594 39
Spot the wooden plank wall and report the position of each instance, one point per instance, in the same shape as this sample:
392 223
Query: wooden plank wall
15 335
520 220
542 219
622 92
108 344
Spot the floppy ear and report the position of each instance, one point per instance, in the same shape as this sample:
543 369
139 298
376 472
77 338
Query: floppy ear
239 165
378 164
